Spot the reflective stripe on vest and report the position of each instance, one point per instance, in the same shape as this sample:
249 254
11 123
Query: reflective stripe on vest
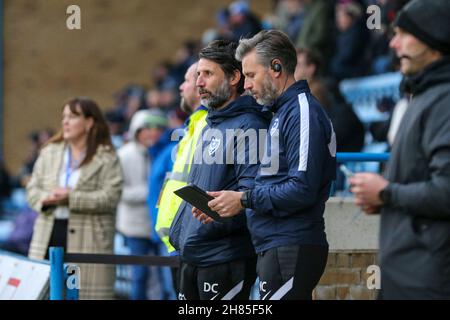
180 176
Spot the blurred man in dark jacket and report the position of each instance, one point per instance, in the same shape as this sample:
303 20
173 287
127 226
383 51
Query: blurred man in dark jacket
414 195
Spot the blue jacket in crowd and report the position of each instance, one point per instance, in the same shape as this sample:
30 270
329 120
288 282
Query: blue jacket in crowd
205 245
290 192
161 163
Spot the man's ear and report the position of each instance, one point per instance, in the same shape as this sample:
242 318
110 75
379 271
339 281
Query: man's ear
235 78
275 68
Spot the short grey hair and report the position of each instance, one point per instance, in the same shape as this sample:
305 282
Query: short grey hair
269 45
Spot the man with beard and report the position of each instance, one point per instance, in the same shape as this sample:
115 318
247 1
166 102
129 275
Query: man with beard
285 208
169 202
218 259
414 194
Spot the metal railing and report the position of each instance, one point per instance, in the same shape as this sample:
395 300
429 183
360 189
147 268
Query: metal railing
59 290
362 157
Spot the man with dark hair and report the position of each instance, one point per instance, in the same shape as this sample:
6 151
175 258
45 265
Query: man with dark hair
285 208
218 259
414 194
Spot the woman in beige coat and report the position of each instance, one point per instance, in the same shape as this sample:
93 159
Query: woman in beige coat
75 187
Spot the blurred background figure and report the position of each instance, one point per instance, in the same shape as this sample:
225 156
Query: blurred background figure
348 128
115 123
5 185
153 99
75 187
413 195
288 17
350 58
36 139
18 240
316 33
176 118
161 163
14 208
243 23
132 212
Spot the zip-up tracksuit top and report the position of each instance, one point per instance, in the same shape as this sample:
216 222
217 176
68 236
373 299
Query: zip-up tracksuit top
288 200
216 242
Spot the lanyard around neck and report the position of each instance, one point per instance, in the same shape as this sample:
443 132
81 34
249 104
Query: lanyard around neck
69 169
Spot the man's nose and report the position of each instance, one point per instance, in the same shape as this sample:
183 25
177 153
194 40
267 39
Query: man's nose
394 42
199 82
247 85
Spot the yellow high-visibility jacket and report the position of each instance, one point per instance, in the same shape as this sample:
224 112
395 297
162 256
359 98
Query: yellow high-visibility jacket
169 202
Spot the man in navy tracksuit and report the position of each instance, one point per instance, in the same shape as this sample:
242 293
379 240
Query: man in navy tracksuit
285 208
218 260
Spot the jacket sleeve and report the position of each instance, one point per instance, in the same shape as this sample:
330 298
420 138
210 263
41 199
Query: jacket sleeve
246 165
106 198
430 198
305 163
136 194
246 154
132 193
35 190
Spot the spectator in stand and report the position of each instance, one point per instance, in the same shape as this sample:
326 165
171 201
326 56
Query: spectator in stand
162 77
135 101
20 236
168 99
75 187
184 57
315 33
289 17
381 56
350 56
161 162
348 128
5 185
37 139
177 118
115 123
243 23
132 213
153 99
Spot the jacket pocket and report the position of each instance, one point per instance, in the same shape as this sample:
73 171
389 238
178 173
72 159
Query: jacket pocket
434 234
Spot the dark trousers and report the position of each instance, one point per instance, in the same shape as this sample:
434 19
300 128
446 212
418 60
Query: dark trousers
58 237
290 272
226 281
175 281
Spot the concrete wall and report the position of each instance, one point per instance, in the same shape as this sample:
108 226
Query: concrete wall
348 228
353 239
119 42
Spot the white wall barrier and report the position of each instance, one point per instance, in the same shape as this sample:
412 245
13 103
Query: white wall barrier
23 279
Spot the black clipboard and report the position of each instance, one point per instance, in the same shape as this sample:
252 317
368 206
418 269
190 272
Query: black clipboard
199 199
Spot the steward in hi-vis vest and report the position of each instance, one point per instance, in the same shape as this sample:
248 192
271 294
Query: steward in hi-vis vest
169 202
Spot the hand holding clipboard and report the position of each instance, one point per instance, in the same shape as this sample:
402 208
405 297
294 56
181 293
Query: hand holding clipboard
199 199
